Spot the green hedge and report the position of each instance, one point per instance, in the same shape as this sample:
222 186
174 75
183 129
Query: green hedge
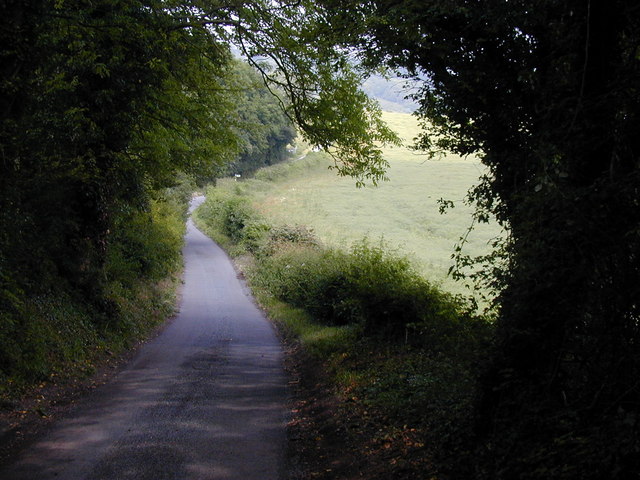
61 333
366 286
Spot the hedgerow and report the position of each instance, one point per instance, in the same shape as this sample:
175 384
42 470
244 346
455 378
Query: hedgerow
60 333
368 285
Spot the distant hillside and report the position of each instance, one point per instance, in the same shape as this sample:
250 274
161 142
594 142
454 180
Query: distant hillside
390 93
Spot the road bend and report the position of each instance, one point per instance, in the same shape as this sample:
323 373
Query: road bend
204 400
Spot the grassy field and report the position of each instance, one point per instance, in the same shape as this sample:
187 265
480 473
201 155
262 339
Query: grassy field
401 355
403 211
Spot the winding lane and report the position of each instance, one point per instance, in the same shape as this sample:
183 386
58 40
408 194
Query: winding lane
204 400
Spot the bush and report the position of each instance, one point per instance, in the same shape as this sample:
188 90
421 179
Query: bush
278 237
310 278
61 332
367 286
231 220
147 243
48 335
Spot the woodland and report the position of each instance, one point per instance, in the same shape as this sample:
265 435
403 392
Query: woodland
112 111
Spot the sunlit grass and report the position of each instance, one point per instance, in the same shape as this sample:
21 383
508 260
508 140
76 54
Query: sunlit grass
318 340
403 211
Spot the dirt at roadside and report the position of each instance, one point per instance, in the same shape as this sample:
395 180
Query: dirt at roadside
24 421
318 444
333 437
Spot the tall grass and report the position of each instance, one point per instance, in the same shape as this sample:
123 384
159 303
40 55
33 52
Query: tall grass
403 211
403 351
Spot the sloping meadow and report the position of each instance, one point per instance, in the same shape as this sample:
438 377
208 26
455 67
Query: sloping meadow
402 349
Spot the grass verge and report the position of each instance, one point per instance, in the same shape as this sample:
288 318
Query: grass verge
57 344
387 361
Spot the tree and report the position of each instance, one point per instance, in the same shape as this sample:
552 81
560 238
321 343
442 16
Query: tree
104 101
547 94
264 129
103 104
291 46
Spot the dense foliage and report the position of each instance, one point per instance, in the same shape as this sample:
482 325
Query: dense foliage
104 104
265 130
97 117
547 94
96 109
402 353
57 333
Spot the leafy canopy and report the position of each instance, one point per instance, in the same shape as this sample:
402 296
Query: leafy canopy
546 93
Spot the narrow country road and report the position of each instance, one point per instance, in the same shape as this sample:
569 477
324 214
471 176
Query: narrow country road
204 400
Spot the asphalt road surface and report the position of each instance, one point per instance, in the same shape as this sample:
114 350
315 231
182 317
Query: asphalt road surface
205 400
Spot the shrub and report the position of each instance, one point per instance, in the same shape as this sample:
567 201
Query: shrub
147 243
297 234
308 277
231 220
367 286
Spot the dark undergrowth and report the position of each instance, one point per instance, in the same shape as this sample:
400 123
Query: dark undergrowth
59 333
